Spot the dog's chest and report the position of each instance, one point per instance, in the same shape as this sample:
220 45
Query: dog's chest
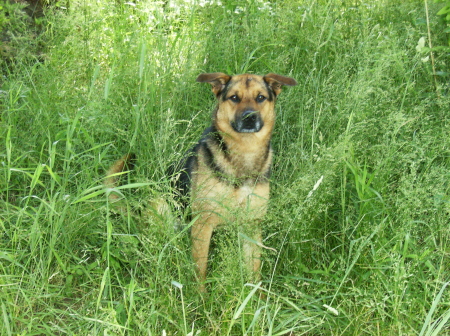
247 164
243 194
252 165
229 205
251 199
220 193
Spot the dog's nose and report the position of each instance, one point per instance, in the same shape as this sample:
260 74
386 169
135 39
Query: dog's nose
249 117
248 122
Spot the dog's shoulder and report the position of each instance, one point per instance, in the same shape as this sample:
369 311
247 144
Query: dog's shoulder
180 173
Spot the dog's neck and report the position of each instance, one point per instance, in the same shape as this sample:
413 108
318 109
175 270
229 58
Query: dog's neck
247 159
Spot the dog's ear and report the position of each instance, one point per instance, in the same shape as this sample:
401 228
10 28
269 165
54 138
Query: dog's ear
276 81
218 80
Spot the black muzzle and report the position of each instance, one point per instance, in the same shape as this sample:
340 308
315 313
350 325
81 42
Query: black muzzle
248 122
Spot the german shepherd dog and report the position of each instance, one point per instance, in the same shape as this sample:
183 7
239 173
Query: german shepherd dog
225 177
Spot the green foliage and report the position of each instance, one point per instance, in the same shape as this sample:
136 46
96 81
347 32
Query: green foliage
20 41
3 17
9 12
357 231
445 15
444 11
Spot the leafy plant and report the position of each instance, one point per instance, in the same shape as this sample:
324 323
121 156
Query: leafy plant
444 12
3 16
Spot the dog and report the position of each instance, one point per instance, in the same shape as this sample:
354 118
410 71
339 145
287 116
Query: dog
225 176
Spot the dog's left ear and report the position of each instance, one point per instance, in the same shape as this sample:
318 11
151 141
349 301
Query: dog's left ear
218 80
276 81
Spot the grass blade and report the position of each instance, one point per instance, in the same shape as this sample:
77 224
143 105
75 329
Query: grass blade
6 320
246 300
428 328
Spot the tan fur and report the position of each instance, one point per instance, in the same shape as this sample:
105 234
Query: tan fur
113 174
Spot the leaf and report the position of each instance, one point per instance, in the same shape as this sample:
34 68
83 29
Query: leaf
331 309
444 10
427 328
420 44
89 196
176 284
244 303
442 73
55 176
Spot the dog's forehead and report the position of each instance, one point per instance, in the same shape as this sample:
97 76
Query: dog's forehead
248 82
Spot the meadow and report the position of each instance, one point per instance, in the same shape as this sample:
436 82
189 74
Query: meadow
358 228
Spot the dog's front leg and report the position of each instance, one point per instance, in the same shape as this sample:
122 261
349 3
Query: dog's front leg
201 237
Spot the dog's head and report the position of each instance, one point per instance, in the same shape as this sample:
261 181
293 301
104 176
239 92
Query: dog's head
246 102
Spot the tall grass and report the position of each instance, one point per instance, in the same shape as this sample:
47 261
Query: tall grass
358 227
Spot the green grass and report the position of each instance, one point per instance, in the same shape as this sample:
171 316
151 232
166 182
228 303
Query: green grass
358 224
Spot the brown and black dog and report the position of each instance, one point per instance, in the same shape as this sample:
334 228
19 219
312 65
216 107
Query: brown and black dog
225 177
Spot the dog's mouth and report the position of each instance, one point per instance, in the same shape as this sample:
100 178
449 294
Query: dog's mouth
248 122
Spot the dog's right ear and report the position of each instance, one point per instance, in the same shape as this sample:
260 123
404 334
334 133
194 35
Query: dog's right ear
218 80
276 81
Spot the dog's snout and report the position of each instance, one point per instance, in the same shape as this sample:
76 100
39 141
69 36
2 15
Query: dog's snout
249 121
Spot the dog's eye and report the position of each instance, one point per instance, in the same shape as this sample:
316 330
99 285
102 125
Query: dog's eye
260 98
234 99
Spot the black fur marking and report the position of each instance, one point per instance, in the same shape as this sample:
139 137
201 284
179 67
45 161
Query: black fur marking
209 160
130 163
223 94
181 172
187 165
247 82
216 137
270 91
266 154
180 175
267 174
